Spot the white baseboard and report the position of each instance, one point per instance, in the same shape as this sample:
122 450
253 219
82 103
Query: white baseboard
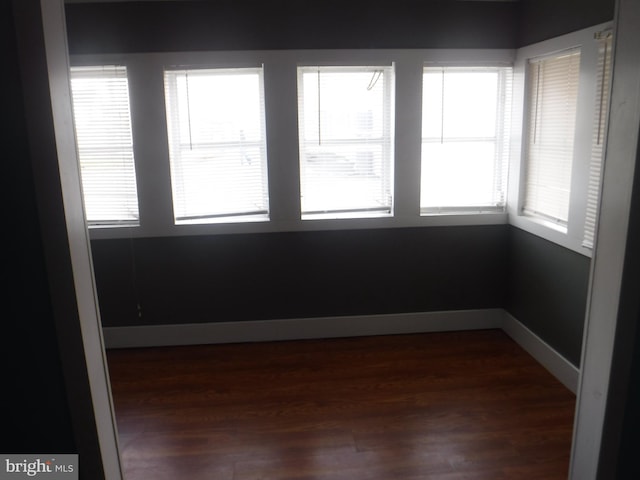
549 358
347 326
301 328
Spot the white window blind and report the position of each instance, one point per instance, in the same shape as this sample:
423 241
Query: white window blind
552 99
465 141
598 138
217 145
100 97
345 136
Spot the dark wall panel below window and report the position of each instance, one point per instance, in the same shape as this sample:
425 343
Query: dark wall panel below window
547 291
299 274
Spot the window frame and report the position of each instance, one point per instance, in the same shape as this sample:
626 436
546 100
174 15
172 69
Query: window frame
570 236
533 68
386 144
170 81
501 139
108 72
280 67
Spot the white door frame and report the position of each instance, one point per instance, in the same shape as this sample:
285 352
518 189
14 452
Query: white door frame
55 37
609 253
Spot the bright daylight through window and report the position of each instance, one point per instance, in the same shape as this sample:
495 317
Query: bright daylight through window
100 97
346 144
217 146
552 102
465 139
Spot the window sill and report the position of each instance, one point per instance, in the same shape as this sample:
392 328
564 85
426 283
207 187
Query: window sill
345 215
549 231
109 226
320 224
461 211
224 220
546 223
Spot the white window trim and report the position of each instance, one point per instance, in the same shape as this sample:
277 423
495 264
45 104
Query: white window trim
500 137
151 150
180 168
118 120
570 238
386 141
280 67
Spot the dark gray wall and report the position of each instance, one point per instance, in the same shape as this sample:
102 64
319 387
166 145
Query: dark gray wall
278 24
299 274
544 19
289 24
547 291
627 465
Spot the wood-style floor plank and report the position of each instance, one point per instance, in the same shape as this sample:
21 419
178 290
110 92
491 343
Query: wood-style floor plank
442 406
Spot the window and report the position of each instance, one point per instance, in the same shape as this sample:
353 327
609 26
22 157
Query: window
346 144
217 147
552 100
354 140
465 141
100 97
598 138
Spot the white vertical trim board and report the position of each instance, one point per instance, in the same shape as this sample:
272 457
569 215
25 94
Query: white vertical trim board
608 262
549 358
54 31
571 236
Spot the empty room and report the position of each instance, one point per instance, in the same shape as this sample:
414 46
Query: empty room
331 240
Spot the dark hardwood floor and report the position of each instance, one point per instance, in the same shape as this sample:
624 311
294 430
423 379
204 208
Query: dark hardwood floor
458 405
